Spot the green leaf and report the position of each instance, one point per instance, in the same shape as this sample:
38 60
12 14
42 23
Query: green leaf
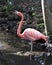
33 14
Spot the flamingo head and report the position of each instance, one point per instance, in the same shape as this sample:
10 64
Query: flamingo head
47 41
18 13
47 38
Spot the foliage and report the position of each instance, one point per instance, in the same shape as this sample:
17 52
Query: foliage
30 11
40 27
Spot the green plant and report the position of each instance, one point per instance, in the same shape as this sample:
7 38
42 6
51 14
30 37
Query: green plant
41 27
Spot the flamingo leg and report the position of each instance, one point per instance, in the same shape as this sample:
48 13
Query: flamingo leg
31 52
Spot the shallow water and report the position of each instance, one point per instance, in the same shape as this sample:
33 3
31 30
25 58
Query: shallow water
10 59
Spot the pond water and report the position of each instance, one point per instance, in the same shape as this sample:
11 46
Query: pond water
10 59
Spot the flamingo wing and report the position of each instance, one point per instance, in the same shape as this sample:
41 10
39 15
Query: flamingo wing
31 34
30 37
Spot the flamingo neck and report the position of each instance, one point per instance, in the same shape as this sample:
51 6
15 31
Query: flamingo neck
20 25
43 37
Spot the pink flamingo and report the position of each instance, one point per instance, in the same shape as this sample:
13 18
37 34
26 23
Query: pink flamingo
29 33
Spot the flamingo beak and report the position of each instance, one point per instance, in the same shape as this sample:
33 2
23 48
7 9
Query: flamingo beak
15 12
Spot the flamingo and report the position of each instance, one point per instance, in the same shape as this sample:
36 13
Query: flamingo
29 33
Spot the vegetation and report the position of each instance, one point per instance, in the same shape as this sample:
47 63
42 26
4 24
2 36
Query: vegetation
30 11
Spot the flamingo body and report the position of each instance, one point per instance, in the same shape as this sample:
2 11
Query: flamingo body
32 35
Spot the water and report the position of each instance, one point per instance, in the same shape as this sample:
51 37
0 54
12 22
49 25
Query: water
50 64
39 59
